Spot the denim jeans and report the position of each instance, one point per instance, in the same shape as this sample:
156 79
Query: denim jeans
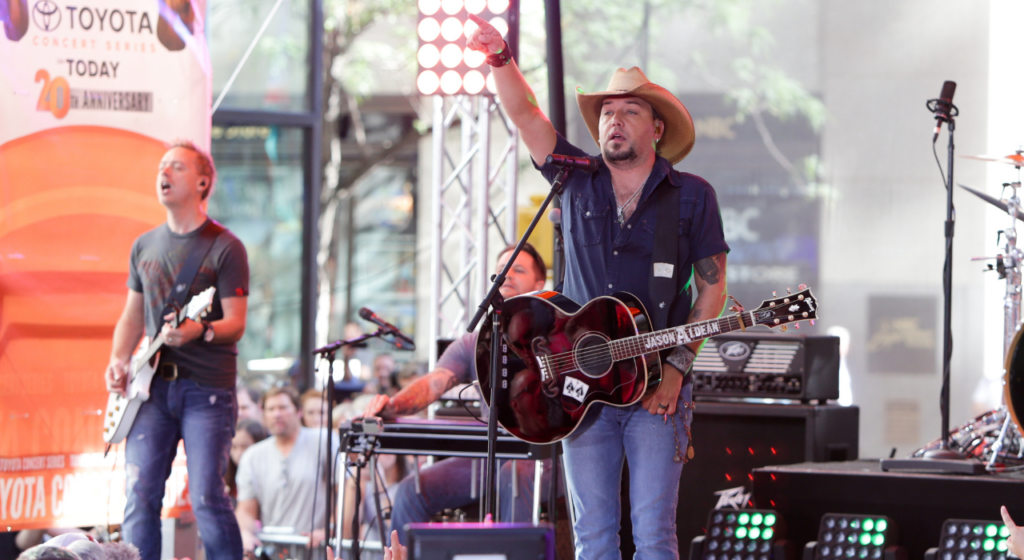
205 418
448 483
593 464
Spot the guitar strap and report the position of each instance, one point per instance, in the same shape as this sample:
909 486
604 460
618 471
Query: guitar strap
664 282
187 275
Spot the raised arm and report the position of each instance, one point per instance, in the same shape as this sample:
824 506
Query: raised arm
517 99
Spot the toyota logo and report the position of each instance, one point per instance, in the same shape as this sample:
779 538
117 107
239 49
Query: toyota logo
46 15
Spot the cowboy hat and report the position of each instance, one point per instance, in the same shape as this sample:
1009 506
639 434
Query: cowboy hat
675 143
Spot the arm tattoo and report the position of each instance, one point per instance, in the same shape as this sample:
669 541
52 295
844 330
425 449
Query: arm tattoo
423 392
695 314
709 269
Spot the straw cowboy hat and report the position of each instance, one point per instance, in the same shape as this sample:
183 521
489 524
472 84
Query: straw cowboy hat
675 143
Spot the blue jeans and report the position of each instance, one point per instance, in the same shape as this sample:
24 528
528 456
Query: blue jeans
205 418
446 484
593 464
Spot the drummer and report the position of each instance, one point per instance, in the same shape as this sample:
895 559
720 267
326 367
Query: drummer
445 484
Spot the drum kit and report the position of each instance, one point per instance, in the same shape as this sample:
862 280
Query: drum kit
996 437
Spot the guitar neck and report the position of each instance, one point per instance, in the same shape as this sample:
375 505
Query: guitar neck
625 348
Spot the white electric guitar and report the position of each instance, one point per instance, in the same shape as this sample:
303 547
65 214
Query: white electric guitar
121 411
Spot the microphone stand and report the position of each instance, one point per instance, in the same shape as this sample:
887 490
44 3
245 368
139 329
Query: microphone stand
328 353
943 459
493 300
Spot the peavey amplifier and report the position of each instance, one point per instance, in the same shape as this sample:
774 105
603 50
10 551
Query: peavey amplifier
768 365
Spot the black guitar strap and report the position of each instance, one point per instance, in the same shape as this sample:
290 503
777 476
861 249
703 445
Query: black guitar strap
664 282
187 275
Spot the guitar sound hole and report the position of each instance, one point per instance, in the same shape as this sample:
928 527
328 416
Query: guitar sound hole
593 356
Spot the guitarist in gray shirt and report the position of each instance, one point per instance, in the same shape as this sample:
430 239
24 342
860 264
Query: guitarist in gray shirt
192 395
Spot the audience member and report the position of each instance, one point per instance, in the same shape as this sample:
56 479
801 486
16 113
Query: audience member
81 544
384 375
409 372
121 551
280 477
247 433
312 406
248 403
43 552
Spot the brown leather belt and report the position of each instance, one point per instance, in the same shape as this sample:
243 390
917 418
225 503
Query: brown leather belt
170 371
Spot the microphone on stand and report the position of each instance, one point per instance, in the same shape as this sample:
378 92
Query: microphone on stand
402 341
943 107
584 164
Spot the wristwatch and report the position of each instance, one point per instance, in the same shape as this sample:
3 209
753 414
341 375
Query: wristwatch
208 333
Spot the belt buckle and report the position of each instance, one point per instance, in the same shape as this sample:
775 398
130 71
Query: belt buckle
168 372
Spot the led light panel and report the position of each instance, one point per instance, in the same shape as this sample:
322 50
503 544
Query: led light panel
745 534
854 537
967 539
446 66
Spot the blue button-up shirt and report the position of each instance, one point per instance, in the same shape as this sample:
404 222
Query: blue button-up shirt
602 257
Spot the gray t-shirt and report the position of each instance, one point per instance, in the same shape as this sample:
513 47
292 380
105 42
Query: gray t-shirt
283 486
460 358
157 257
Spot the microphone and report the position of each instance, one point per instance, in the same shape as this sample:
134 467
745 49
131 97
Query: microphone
585 164
943 107
401 340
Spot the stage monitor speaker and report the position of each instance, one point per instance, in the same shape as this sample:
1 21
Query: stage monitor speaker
493 541
731 439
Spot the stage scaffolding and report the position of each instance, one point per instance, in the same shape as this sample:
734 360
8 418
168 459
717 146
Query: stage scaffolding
474 155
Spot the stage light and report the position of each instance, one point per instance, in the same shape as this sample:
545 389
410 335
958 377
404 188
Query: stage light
451 55
451 29
842 536
429 7
473 82
428 29
451 7
970 539
451 82
428 56
473 58
427 82
444 29
490 83
742 535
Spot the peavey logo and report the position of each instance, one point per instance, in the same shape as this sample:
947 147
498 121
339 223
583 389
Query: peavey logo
735 498
734 350
46 15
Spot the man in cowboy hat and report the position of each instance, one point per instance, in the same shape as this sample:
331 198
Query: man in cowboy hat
609 218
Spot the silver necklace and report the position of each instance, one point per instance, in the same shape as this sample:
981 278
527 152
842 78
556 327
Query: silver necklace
622 209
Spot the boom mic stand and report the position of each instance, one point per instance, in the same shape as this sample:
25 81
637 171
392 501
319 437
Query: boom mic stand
944 458
328 353
493 300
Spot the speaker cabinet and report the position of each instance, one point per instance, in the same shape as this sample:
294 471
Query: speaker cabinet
731 439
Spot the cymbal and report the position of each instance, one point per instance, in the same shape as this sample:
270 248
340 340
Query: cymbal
1016 160
993 201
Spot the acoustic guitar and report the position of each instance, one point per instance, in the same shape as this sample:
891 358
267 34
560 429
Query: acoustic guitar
558 357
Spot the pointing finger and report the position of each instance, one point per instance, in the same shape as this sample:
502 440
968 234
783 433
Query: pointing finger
1006 517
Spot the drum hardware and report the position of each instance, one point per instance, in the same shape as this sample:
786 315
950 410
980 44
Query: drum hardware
995 437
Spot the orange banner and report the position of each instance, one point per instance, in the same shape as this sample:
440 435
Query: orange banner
93 93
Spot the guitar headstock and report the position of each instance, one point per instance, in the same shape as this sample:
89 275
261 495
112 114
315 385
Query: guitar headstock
791 308
200 303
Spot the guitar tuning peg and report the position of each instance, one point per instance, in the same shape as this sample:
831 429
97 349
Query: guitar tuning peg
782 328
788 291
802 287
797 326
774 294
812 322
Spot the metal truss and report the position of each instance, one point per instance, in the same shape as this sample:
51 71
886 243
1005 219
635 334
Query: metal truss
473 206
